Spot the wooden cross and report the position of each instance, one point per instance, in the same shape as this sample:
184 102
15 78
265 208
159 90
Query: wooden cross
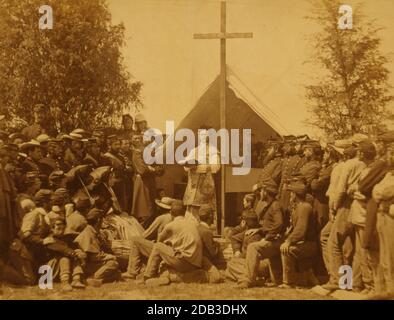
223 35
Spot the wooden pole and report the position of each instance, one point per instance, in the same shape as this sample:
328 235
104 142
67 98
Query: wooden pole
223 108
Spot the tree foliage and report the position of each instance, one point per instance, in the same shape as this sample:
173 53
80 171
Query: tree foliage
75 69
352 91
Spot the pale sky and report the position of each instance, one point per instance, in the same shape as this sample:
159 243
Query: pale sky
176 69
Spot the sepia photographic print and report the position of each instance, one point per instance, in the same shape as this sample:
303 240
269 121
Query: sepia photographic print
196 150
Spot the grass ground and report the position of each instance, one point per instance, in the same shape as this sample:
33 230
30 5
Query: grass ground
177 291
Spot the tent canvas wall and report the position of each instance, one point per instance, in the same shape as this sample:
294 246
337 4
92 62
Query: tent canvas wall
243 111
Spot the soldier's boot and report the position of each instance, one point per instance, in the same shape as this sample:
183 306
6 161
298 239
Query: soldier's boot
77 282
65 282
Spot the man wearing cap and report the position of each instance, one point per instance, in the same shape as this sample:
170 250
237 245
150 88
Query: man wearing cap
54 159
311 165
29 251
114 160
272 164
141 247
141 124
34 155
37 128
383 195
290 164
65 258
144 188
75 152
158 224
100 266
273 227
93 155
300 246
342 229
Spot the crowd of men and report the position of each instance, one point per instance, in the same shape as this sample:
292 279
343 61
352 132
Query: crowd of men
315 209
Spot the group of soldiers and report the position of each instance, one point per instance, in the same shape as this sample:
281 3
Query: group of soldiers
58 189
314 209
319 211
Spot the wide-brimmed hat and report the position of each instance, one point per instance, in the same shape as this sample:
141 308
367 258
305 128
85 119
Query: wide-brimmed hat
165 202
101 174
42 138
30 144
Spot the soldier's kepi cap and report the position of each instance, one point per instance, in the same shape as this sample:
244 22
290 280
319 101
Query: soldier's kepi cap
112 138
29 145
298 187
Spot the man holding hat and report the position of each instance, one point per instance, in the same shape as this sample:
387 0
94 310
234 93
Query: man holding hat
273 227
300 246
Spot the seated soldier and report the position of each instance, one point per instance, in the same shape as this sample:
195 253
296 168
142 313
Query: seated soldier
59 199
300 246
100 266
179 246
268 247
141 247
248 203
208 272
76 216
164 204
65 258
28 252
239 242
